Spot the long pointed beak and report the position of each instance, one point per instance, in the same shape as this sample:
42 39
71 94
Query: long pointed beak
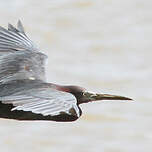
88 96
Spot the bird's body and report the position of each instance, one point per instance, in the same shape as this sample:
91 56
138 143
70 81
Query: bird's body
24 92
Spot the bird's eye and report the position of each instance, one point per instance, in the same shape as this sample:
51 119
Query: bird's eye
85 94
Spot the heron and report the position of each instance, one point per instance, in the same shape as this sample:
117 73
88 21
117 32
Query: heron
24 92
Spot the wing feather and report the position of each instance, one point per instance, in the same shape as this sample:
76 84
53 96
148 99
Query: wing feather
19 57
20 27
17 37
46 101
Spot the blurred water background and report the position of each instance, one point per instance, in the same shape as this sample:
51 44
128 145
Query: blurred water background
102 45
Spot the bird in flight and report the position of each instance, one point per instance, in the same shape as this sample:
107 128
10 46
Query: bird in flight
24 92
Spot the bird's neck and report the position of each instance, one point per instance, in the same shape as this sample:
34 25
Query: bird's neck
59 87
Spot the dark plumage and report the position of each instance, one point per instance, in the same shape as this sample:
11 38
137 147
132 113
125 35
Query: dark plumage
24 92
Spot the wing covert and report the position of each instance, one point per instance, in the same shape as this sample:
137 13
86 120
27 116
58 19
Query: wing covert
22 65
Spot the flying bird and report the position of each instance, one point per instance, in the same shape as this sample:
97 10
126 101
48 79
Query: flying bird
24 92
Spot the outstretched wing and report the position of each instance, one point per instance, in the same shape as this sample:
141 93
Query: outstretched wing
45 101
15 39
19 57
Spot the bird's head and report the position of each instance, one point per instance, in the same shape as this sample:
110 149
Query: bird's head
84 96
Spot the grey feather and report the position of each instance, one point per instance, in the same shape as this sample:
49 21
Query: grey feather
42 100
20 27
22 65
12 28
19 57
16 37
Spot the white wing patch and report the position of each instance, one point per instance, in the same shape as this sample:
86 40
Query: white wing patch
44 101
